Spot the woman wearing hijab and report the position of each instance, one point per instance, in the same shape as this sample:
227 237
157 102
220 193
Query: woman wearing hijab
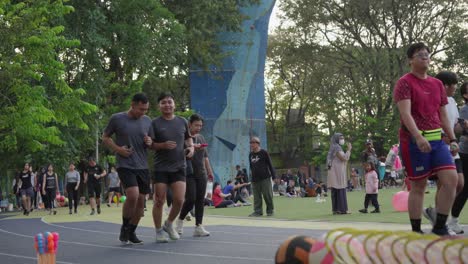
337 182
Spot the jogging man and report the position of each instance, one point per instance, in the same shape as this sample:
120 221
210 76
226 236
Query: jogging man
132 140
172 142
421 101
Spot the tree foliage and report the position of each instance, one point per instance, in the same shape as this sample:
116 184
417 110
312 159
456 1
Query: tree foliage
37 102
341 60
65 68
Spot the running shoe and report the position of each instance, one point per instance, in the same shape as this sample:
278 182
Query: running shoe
169 229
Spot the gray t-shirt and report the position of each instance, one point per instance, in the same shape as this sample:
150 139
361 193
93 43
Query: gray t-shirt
130 132
72 176
464 138
170 160
198 159
113 180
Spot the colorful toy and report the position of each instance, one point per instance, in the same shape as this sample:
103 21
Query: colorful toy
123 198
46 247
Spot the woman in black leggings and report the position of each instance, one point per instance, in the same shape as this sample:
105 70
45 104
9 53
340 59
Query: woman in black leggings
198 167
72 180
49 188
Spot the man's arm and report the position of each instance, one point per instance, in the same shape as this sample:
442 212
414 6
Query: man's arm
109 142
448 129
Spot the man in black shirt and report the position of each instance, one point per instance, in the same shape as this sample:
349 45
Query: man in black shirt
92 177
262 172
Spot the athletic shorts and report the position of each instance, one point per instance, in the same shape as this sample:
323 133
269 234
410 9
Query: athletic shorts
132 178
94 189
27 192
114 189
168 177
419 165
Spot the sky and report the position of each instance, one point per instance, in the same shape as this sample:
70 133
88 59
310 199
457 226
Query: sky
274 20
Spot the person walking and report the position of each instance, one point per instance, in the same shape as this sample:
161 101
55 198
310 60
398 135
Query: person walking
26 189
114 187
72 182
197 181
262 172
336 181
92 177
50 188
132 130
421 101
372 188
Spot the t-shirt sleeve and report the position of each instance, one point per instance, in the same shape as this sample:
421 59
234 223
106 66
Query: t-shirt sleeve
111 126
443 96
402 91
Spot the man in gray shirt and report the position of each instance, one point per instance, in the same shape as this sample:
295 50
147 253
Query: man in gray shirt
170 134
132 139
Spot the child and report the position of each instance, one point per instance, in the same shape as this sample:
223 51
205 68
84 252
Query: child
372 188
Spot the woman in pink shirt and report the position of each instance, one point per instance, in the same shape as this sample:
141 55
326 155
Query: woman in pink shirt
372 188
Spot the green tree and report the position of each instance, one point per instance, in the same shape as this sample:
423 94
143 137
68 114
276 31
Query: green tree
36 101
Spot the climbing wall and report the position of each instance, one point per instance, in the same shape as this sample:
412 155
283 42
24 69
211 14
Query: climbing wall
231 98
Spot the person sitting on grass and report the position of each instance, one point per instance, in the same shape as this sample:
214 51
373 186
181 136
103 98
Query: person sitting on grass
372 187
291 190
219 197
234 190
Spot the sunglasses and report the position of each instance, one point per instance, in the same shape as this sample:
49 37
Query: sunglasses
252 142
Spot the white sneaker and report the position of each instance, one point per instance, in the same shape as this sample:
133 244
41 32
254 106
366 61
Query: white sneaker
179 226
430 214
161 237
200 231
454 226
170 231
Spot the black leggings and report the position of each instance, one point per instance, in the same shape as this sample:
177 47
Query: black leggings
371 197
72 195
225 204
50 194
194 195
460 200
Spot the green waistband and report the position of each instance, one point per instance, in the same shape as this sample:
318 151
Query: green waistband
432 135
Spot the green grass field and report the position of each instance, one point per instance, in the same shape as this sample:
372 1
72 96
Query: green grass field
308 209
298 212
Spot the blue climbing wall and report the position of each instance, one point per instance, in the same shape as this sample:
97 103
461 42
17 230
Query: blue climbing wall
231 98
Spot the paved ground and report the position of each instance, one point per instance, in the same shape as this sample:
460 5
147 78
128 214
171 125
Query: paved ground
96 242
94 239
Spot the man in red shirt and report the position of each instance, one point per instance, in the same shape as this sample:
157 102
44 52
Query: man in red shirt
421 101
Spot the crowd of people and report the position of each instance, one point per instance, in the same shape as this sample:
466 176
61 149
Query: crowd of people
182 170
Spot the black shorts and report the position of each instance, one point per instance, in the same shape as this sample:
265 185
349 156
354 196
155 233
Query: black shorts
168 177
132 178
94 188
114 189
458 164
